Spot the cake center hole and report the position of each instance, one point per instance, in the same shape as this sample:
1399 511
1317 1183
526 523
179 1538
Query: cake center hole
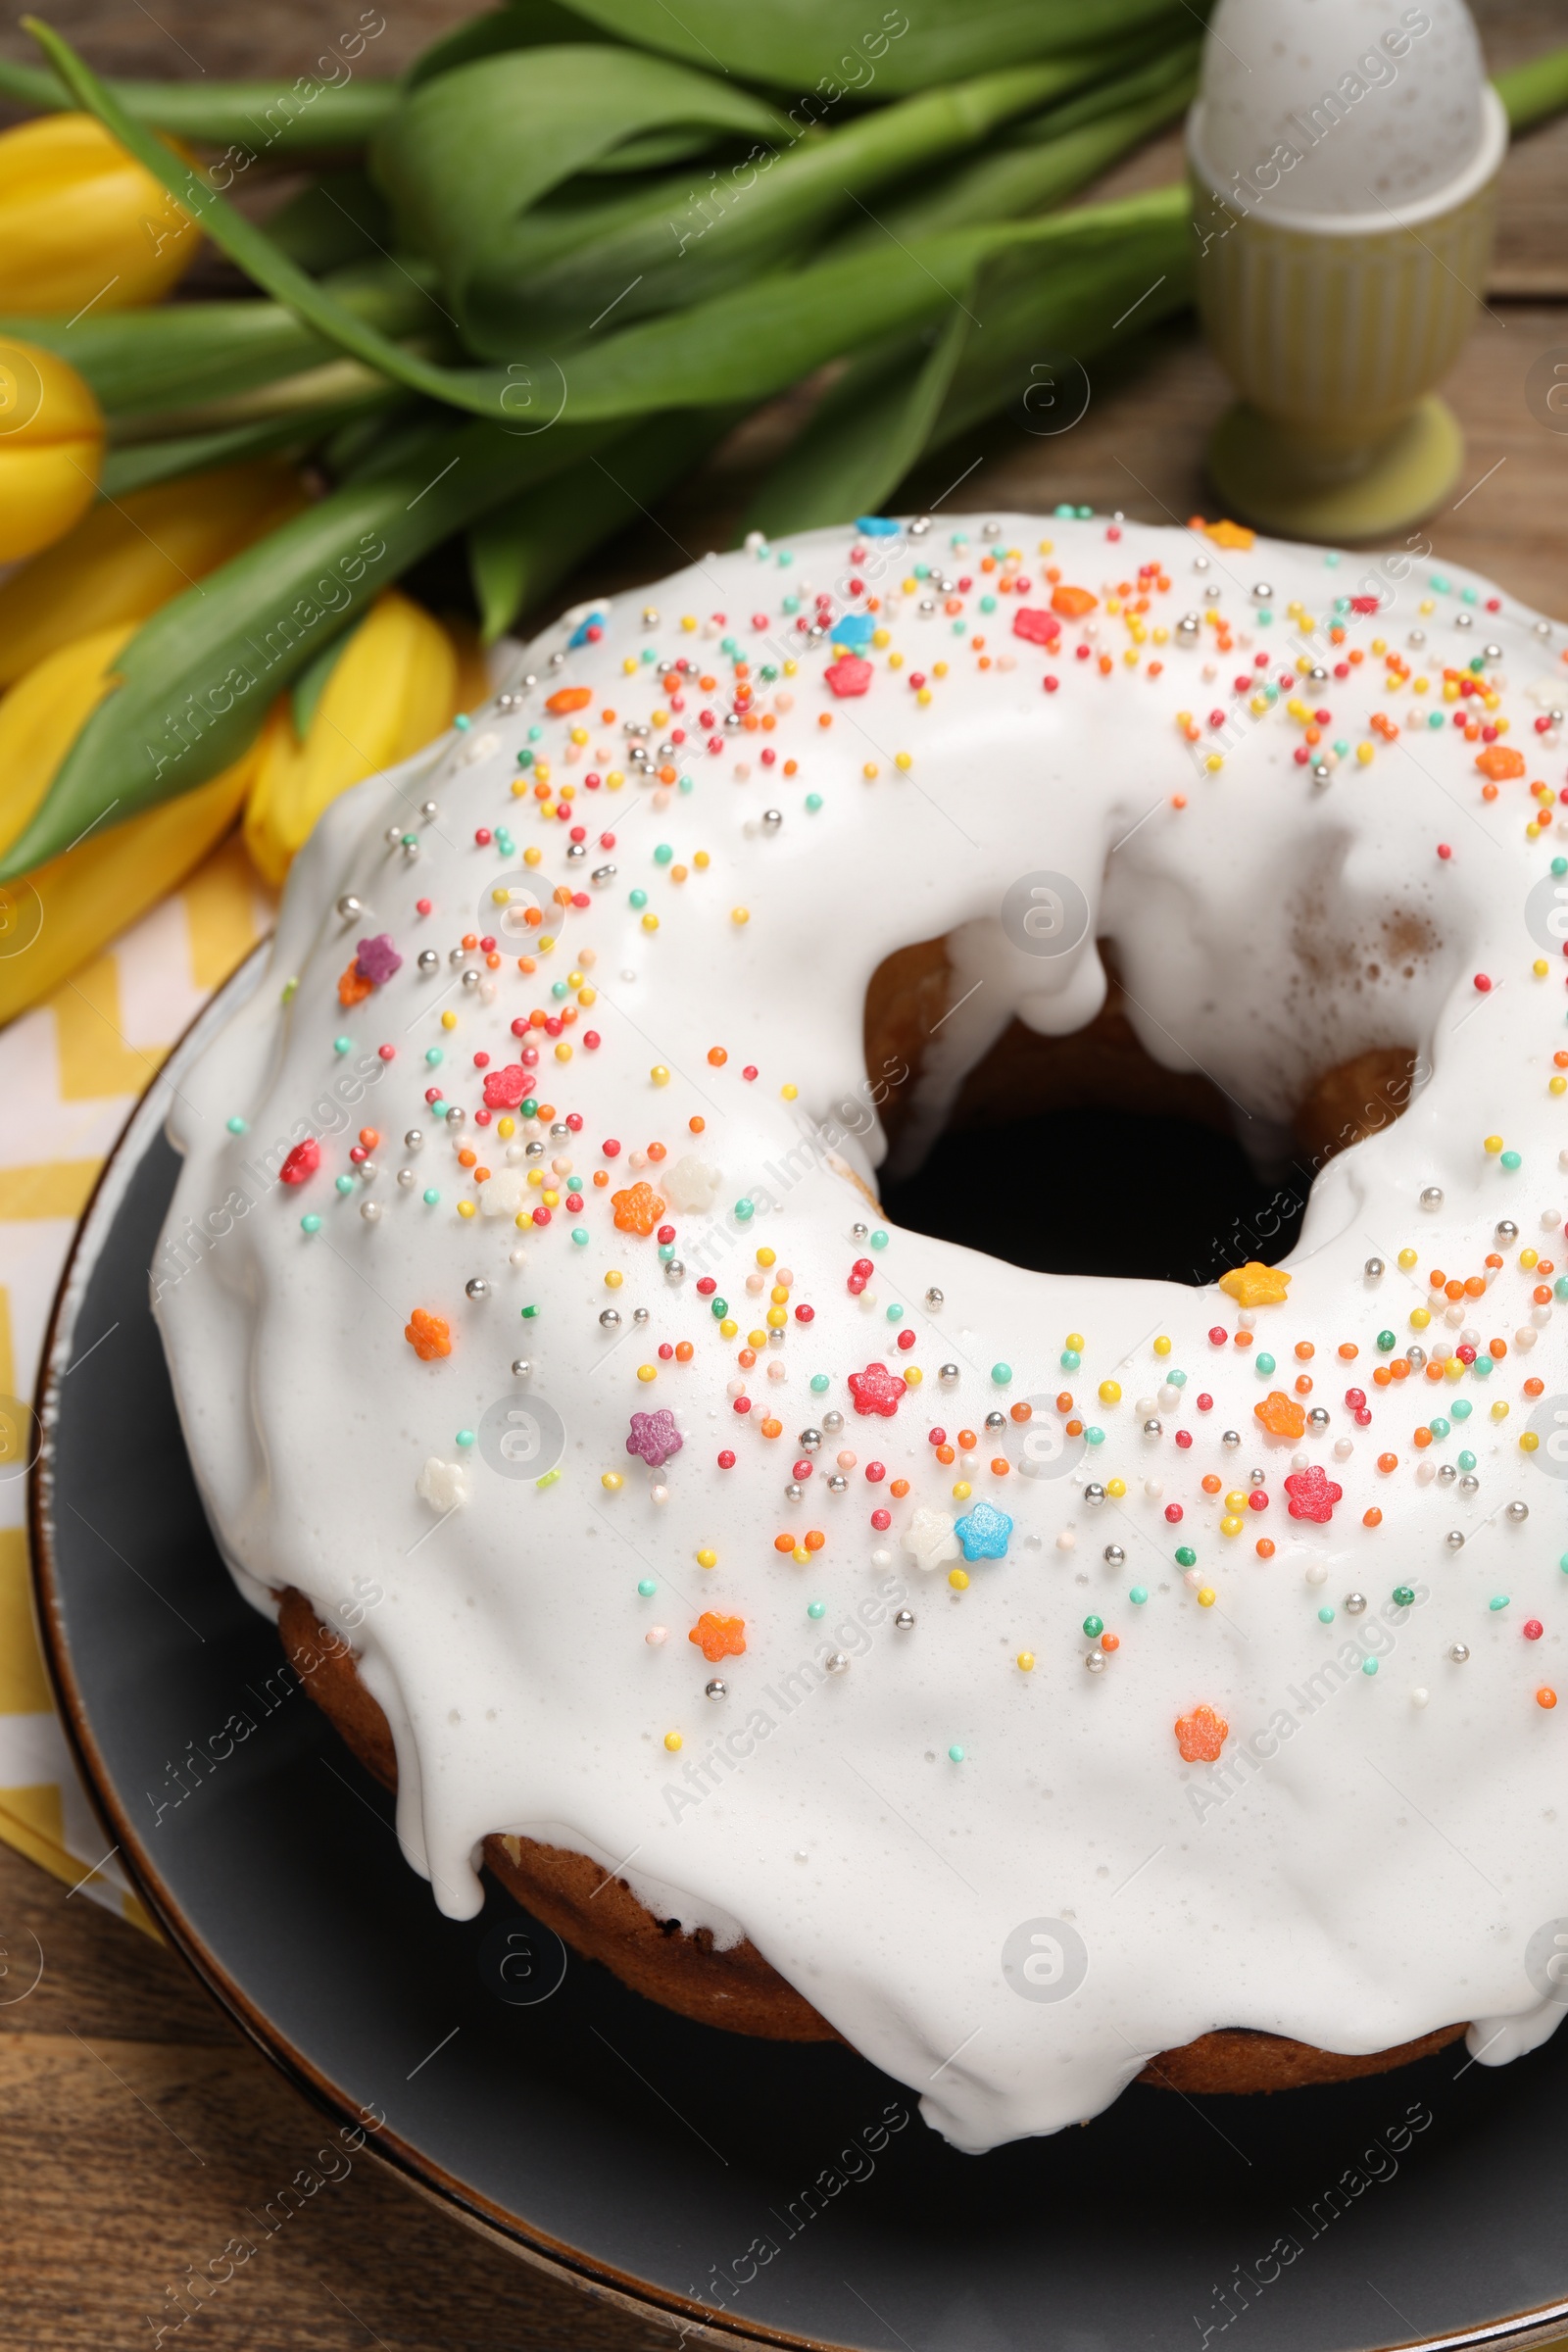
1081 1155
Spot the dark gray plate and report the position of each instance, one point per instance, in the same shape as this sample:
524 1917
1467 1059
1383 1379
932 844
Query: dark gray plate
752 2189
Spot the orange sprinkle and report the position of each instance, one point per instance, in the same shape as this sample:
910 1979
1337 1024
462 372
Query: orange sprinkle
427 1335
1201 1735
1265 1548
637 1210
1211 1484
814 1539
568 698
1499 763
1280 1415
1546 1697
1073 602
1372 1518
718 1637
783 1543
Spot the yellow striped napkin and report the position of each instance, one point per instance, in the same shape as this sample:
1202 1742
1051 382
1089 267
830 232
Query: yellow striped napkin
71 1071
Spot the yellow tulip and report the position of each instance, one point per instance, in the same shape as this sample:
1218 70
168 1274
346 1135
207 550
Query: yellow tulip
41 717
58 918
124 559
65 912
392 689
51 447
81 224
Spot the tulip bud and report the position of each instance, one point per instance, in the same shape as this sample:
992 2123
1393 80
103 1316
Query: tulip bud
392 689
66 911
51 447
81 224
129 556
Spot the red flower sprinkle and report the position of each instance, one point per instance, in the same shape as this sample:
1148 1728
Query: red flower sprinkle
876 1390
302 1161
1313 1495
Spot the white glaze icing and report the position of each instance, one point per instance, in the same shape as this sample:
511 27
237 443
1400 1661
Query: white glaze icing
1382 1872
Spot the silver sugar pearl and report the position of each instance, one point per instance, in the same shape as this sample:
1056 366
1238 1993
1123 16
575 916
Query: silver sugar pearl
903 1622
1354 1604
990 530
455 956
429 812
1094 1495
1432 1196
1258 1478
370 1211
995 1420
533 1149
521 1368
456 1118
650 616
947 1375
1318 1417
414 1140
1200 562
1374 1269
919 526
1492 652
1464 621
933 1299
772 819
838 1663
1417 638
1153 1427
833 1421
1455 1539
838 1484
429 961
1262 594
639 1314
407 1178
809 1440
392 836
860 1233
1115 1556
557 660
1469 1485
411 851
1213 593
472 976
1543 629
576 850
604 873
1506 1230
368 1171
1446 1474
1415 1357
1231 1437
477 1288
1095 1661
1518 1512
675 1270
1322 774
793 1493
716 1689
1318 674
610 1318
349 906
1459 1652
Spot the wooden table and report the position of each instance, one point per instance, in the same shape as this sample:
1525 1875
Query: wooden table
138 2127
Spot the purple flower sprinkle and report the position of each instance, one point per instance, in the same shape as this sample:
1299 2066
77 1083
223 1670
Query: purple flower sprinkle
379 959
654 1437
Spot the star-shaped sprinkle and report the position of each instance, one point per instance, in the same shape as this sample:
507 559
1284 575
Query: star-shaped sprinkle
850 675
1201 1735
1281 1415
984 1532
1035 625
876 1390
444 1486
1255 1285
654 1437
718 1637
428 1335
929 1536
1313 1495
504 1088
638 1210
379 959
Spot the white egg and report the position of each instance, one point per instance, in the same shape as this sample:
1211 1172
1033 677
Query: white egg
1333 108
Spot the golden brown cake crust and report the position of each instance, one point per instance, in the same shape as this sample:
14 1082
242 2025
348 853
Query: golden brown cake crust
601 1918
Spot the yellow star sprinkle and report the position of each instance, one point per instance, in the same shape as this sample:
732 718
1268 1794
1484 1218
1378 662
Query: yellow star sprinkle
1255 1285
